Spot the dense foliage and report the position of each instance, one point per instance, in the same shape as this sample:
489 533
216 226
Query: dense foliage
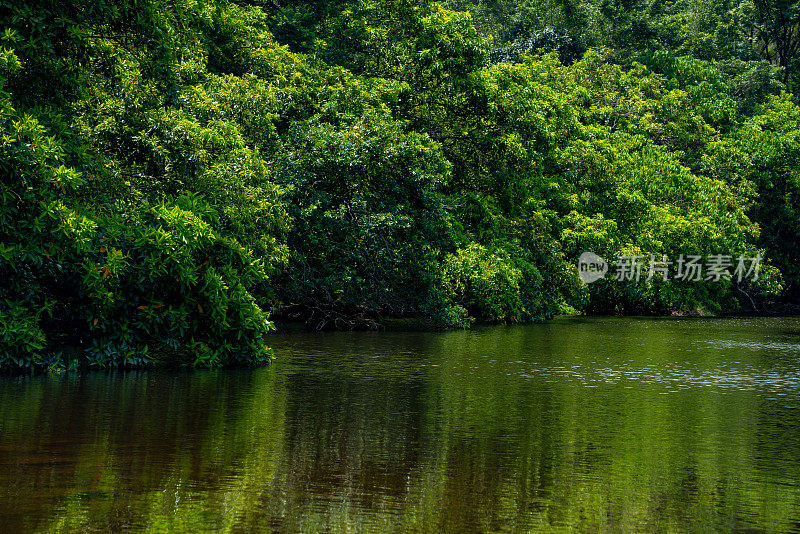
176 171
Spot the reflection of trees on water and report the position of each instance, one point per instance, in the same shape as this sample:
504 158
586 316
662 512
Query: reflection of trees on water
465 431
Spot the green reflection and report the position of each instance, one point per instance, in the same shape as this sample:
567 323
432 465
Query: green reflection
614 425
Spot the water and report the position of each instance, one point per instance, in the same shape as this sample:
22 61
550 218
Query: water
612 425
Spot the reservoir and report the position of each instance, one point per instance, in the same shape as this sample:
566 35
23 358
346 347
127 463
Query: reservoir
580 424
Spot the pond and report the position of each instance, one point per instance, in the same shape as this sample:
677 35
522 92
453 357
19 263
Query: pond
585 424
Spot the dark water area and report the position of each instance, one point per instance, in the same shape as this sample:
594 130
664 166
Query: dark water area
587 424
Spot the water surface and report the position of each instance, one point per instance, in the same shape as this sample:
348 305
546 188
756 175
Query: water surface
599 425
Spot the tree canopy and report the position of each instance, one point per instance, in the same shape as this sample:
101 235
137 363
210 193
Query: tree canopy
176 172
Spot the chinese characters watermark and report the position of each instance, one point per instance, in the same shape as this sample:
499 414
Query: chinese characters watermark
686 268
